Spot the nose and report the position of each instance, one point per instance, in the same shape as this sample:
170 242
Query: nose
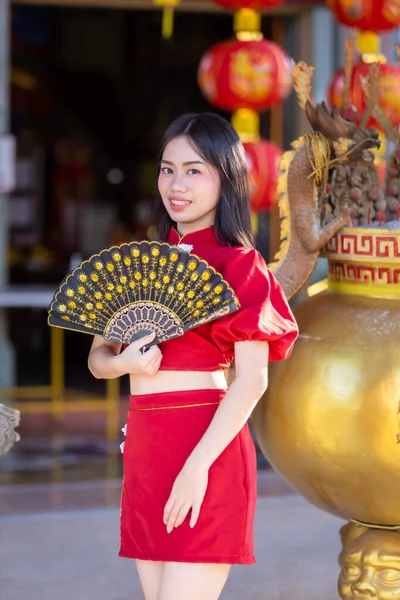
364 588
178 183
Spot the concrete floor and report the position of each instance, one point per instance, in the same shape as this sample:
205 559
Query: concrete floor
72 555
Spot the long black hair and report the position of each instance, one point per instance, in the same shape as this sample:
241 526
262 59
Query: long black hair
215 140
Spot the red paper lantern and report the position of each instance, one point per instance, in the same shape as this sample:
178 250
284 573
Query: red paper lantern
262 163
258 5
367 15
254 75
388 93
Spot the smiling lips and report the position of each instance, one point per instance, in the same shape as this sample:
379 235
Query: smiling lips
178 204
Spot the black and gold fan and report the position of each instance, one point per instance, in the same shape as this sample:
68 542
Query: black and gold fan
128 291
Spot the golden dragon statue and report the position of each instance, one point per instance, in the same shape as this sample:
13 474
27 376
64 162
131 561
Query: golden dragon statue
302 188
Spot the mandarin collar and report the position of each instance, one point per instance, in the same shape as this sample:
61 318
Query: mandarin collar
206 235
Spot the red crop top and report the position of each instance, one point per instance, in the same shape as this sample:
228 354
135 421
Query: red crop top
264 312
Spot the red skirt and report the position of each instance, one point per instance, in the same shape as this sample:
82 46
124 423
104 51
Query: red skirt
158 443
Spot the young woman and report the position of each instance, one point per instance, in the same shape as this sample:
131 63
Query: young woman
189 489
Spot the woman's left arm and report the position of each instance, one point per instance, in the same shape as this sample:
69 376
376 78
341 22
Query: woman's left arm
251 381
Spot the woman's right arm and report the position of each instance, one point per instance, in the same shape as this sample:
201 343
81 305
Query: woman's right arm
106 361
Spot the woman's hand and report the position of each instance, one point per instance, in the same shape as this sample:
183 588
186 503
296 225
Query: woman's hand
133 361
187 493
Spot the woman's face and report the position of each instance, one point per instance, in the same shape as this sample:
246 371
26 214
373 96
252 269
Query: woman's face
189 187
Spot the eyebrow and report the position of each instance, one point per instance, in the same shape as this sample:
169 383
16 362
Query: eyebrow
390 561
185 164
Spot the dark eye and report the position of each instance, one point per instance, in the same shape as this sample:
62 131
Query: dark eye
166 170
193 171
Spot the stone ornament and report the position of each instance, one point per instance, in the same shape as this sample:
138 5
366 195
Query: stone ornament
9 419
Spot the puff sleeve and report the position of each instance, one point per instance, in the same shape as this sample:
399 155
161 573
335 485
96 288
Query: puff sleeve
264 313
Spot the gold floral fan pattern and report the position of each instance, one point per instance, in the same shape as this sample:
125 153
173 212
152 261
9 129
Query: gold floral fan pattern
124 292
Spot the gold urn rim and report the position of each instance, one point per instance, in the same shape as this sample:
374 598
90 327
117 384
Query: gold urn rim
365 262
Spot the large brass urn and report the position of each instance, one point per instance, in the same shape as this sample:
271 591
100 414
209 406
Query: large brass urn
330 418
329 422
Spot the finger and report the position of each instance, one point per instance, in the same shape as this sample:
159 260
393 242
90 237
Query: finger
172 517
156 364
182 514
157 351
151 354
146 339
158 356
153 365
195 515
167 510
135 350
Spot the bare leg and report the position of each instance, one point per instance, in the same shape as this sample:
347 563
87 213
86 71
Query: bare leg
194 581
150 573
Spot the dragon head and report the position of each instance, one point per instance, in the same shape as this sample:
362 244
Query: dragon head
349 143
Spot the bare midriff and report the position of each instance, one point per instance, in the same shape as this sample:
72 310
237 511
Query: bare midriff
174 381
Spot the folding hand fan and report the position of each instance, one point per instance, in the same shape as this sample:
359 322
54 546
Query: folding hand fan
125 292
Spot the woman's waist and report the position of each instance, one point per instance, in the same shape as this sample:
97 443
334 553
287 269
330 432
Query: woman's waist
176 381
176 399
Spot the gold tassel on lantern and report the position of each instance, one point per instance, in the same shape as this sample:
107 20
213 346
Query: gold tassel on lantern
247 24
368 45
246 122
167 16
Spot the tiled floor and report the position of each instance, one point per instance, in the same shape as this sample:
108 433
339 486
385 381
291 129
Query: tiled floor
68 555
59 530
